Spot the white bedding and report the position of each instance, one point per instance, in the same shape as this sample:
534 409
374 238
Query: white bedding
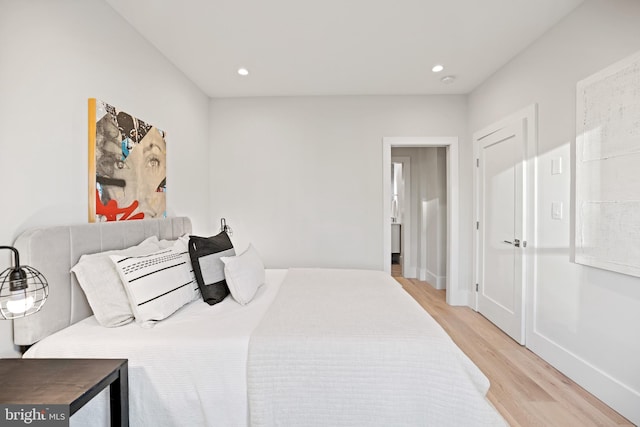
359 352
181 376
322 366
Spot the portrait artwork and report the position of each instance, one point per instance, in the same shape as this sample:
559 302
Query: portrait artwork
127 166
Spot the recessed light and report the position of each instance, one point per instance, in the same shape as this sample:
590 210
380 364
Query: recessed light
437 68
243 71
448 79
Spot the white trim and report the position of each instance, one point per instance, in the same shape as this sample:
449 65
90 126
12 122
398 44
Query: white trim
455 294
611 391
411 271
438 282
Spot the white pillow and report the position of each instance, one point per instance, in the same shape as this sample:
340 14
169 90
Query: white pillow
158 284
164 243
244 274
102 286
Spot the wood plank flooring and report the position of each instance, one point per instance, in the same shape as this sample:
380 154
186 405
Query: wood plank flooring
524 388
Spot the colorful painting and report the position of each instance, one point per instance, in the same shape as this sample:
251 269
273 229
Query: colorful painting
127 166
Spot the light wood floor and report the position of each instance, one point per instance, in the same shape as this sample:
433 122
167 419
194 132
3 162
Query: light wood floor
524 388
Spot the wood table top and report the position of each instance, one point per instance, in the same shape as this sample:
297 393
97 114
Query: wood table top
53 381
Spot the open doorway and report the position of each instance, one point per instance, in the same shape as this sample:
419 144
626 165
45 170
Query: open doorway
455 295
418 214
400 215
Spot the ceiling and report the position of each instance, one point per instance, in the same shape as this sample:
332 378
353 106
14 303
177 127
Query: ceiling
340 47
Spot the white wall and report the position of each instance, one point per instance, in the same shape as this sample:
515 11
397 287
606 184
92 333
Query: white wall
433 197
585 321
54 55
301 177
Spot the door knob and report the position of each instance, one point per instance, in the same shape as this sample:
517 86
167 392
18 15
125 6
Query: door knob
515 243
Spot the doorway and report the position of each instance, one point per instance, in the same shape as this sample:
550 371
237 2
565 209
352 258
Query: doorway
400 216
454 295
418 214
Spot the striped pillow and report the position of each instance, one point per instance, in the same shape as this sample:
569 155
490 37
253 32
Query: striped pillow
158 284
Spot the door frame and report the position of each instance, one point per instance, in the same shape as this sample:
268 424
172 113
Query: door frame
528 116
454 295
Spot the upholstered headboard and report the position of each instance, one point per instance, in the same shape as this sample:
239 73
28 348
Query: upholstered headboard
54 250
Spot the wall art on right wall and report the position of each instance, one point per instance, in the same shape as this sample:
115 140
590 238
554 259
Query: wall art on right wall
607 186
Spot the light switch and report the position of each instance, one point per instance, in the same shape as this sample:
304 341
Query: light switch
556 210
556 166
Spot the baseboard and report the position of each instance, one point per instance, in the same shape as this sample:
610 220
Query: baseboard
438 282
453 298
460 298
410 273
611 391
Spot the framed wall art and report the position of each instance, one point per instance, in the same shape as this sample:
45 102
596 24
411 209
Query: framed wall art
127 166
607 186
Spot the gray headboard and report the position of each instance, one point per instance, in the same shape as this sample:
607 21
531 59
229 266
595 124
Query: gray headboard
54 250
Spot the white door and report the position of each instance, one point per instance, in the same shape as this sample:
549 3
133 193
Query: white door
501 157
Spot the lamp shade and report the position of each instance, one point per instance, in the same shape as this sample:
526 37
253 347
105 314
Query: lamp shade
23 289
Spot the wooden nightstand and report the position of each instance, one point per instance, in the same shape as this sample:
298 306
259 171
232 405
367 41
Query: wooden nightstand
69 382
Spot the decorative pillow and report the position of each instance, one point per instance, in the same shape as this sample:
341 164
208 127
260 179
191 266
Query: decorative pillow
164 243
102 286
205 255
244 274
157 284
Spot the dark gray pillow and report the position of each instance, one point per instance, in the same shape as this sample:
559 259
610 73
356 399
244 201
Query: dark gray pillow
205 253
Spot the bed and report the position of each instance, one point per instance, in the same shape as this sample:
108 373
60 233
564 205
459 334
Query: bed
315 347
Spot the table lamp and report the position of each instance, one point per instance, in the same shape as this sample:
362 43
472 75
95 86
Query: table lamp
23 289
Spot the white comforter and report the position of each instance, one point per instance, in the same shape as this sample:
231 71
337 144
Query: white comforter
335 347
351 348
188 370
